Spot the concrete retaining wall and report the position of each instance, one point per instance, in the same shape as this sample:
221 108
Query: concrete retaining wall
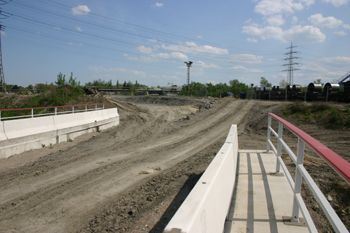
17 136
206 207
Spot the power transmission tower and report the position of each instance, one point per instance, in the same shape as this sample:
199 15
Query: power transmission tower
1 68
188 64
290 64
3 15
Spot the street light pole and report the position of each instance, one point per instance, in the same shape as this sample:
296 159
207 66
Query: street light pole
188 64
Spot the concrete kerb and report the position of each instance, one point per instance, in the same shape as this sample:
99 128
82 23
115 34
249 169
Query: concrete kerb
206 207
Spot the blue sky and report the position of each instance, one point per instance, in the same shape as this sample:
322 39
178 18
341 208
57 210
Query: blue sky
149 41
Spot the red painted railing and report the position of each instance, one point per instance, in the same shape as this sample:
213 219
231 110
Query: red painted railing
51 107
333 159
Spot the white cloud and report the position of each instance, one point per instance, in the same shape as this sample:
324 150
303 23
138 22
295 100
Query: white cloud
205 65
346 26
70 43
304 35
158 4
3 33
179 55
79 29
271 7
80 10
239 67
161 55
294 19
191 47
308 2
145 49
338 61
320 21
152 40
272 59
58 28
341 33
275 20
337 3
200 37
117 70
252 40
246 58
245 70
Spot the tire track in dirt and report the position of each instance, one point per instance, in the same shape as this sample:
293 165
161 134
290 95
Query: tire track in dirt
55 200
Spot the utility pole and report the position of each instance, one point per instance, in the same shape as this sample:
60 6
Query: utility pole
188 64
290 63
2 76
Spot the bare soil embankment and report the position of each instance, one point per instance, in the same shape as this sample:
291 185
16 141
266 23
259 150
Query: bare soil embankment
94 183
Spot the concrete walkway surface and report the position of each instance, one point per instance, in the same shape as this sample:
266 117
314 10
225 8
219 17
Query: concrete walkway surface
261 199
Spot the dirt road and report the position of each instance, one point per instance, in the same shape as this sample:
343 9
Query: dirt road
64 190
130 178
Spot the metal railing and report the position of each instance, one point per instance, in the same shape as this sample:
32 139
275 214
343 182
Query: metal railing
339 164
32 115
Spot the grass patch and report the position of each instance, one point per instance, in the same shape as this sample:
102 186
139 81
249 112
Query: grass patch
324 114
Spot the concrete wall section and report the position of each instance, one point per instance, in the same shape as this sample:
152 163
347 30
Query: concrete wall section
17 136
25 127
206 207
2 132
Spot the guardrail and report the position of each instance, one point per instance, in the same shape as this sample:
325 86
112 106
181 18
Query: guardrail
32 115
334 160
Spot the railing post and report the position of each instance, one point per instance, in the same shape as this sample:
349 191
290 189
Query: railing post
298 179
32 112
55 110
73 109
0 115
103 106
96 107
268 132
279 147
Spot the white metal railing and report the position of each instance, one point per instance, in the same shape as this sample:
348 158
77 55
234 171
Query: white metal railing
32 115
334 160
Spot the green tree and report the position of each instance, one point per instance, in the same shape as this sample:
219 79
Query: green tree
61 80
117 84
318 81
264 82
73 81
283 83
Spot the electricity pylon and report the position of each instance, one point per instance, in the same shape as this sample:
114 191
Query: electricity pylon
290 64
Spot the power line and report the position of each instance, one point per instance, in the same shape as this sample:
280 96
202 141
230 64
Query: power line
290 65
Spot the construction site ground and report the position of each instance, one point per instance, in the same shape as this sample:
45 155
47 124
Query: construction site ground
133 177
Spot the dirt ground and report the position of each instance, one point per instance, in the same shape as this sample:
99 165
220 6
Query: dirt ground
133 177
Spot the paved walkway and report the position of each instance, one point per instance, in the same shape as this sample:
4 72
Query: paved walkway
261 199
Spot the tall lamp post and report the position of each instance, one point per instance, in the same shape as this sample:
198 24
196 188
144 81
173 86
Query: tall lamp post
188 64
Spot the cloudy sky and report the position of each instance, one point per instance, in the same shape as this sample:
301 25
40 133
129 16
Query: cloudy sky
149 41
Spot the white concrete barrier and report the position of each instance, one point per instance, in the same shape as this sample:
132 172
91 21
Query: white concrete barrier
206 207
2 132
29 126
17 136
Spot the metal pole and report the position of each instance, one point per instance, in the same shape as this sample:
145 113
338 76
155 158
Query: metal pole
326 94
32 110
85 108
73 109
268 132
55 110
305 96
279 147
298 180
0 115
188 64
